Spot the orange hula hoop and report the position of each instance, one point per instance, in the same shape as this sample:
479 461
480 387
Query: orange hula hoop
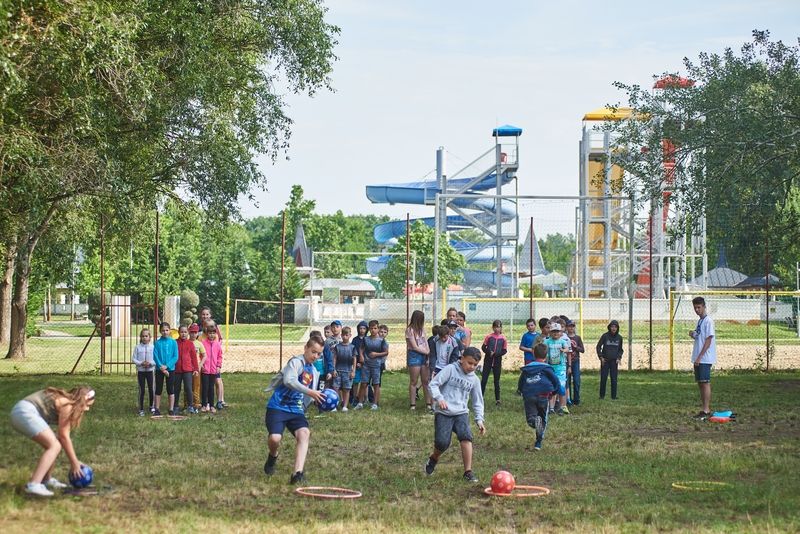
533 491
336 493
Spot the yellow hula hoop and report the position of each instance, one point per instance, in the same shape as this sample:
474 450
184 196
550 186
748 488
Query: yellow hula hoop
701 485
333 492
532 491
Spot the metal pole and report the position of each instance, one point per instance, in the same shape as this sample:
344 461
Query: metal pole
650 296
530 274
607 215
498 202
283 276
155 306
631 278
436 260
102 296
766 261
311 292
408 268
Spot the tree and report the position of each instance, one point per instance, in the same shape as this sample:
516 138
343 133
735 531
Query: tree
557 251
732 129
422 240
129 101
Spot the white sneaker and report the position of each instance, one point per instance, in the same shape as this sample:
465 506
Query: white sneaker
54 483
374 407
345 409
359 406
334 410
37 489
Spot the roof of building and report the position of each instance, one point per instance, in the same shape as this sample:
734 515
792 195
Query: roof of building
343 284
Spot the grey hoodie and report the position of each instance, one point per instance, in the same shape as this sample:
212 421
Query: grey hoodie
455 386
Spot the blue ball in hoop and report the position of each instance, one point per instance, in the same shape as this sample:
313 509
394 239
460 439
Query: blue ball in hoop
330 400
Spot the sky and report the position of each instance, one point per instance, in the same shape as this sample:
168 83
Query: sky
416 75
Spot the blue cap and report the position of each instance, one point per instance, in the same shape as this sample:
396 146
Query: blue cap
337 322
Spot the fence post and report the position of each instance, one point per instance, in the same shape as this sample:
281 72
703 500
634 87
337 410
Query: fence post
227 316
671 330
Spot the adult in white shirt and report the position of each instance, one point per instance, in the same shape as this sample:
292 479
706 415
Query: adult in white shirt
704 354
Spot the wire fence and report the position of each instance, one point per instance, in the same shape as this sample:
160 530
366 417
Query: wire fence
751 331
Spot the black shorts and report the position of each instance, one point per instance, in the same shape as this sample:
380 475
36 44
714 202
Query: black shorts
278 420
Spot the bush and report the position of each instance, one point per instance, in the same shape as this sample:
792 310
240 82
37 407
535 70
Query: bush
189 303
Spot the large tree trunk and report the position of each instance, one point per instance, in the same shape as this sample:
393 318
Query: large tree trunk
26 244
6 291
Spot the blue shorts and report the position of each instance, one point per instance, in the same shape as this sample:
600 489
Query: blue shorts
343 380
357 378
561 374
702 373
278 420
371 375
415 359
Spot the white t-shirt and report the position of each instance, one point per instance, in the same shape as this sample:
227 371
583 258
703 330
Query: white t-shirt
704 330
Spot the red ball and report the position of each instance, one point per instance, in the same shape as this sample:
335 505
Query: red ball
503 482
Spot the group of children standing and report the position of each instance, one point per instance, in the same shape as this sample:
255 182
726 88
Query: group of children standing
193 363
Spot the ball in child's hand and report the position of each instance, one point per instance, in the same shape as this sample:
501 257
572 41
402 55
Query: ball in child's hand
503 482
330 400
82 481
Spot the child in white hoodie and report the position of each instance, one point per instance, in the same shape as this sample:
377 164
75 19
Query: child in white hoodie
145 365
451 388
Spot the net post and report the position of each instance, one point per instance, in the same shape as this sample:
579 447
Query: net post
580 315
283 274
671 331
408 268
227 315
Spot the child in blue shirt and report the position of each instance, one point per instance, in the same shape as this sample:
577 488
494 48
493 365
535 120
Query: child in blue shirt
557 350
344 367
537 383
528 341
358 344
375 350
165 356
293 389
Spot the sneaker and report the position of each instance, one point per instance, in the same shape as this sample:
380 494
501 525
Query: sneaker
430 408
141 413
497 403
412 407
192 410
538 424
374 407
55 484
297 478
152 411
538 445
344 409
223 404
701 415
171 412
359 406
551 410
430 465
212 410
37 489
156 411
469 476
220 405
565 410
269 465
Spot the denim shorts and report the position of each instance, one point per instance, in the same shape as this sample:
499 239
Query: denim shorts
371 375
702 373
444 427
343 380
27 420
561 374
415 359
278 420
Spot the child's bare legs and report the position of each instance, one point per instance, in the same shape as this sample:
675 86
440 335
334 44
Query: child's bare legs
52 447
413 379
425 373
377 389
220 390
362 393
562 400
705 395
302 435
466 455
344 394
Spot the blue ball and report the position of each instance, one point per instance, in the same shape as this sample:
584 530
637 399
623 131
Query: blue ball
85 480
330 401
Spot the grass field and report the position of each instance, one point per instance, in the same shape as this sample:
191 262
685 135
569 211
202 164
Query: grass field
610 465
